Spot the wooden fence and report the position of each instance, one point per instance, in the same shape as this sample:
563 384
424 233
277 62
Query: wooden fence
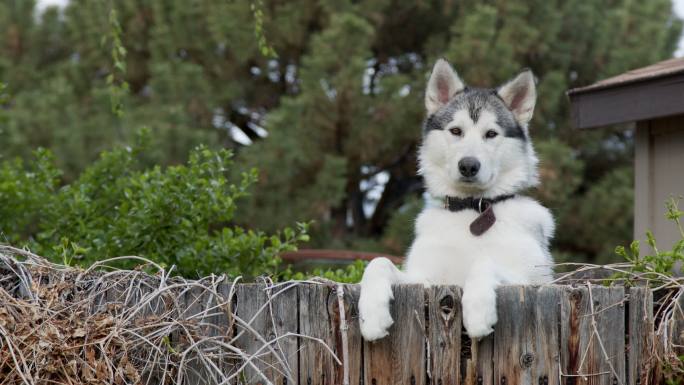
544 336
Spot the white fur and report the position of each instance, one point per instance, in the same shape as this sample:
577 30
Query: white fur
513 251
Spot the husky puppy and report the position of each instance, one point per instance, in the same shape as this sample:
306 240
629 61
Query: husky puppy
476 231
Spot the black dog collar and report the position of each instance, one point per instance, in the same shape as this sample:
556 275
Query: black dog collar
483 206
455 204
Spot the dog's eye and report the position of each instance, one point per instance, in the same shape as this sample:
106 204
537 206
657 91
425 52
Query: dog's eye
491 134
456 131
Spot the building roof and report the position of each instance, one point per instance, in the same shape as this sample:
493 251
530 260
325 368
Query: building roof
641 94
663 68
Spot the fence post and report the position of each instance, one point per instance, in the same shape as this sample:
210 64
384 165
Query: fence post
592 335
444 331
400 357
526 339
641 336
271 312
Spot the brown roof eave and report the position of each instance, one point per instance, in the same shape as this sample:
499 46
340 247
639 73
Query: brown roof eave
600 87
629 101
653 72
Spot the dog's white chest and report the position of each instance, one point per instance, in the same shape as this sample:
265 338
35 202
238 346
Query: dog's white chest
445 249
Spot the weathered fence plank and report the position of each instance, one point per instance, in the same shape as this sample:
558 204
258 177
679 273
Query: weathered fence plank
319 317
444 334
641 336
592 336
152 307
480 365
192 303
526 337
354 353
400 357
354 339
198 303
317 365
271 313
228 363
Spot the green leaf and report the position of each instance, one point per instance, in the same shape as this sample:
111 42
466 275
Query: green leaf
650 239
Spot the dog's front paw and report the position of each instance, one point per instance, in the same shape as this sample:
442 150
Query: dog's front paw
479 312
374 314
376 323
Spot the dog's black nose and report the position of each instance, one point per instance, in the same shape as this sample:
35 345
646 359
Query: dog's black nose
469 166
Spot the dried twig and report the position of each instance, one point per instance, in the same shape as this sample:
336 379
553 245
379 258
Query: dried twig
343 331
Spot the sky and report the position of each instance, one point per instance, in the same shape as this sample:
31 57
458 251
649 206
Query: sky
679 8
45 3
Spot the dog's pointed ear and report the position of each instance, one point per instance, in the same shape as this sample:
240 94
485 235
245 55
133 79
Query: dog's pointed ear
520 95
444 83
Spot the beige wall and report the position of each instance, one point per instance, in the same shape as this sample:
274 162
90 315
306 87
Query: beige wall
659 174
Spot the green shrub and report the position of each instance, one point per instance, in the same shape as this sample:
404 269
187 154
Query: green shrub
655 267
351 273
179 215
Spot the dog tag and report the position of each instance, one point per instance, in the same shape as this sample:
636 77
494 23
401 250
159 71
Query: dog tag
483 222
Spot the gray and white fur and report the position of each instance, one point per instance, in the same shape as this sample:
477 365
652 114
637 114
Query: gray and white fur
476 144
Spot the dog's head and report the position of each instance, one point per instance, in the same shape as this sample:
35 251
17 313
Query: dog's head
476 140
